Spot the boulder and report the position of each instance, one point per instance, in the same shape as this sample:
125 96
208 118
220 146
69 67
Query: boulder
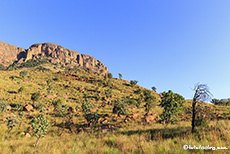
28 107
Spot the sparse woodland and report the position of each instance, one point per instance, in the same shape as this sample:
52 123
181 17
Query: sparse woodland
52 109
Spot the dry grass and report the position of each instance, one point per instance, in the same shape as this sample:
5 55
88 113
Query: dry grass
131 137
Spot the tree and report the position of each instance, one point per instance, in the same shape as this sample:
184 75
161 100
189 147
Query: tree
91 116
202 93
172 104
150 101
109 75
154 88
119 108
133 82
120 75
40 127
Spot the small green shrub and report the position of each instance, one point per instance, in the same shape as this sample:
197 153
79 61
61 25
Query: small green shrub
3 106
35 96
40 127
21 89
119 108
12 122
23 74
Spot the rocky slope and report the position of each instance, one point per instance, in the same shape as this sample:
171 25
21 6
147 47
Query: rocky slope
53 52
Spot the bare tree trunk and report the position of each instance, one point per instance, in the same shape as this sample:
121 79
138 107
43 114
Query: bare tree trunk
193 115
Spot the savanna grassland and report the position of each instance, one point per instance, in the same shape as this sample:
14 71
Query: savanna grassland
82 118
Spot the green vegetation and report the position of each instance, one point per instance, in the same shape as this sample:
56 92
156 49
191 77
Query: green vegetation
23 74
221 102
172 104
40 127
80 111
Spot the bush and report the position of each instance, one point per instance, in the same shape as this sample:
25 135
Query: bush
21 89
119 108
23 74
172 104
138 91
12 122
109 75
91 116
40 127
58 103
35 96
12 77
3 106
133 82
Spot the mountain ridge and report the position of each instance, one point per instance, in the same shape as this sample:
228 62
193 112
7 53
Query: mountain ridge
55 53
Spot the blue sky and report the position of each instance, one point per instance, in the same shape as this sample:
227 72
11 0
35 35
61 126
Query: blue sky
169 44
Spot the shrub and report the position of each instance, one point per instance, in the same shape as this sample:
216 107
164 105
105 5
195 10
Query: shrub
12 77
23 74
133 82
172 104
35 96
138 91
3 106
154 88
57 103
91 116
11 122
40 126
109 75
21 89
119 108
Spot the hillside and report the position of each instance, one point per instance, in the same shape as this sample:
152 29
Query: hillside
69 89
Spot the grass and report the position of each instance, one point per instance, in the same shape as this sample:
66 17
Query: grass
115 135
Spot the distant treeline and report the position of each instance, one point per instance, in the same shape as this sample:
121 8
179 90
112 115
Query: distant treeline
225 102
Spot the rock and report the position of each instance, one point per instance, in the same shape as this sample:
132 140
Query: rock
149 118
30 129
8 107
28 107
55 53
71 109
65 134
27 135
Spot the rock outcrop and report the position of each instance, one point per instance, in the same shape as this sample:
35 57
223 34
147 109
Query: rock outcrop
53 52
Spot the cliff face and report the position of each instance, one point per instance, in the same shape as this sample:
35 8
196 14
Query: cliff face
55 53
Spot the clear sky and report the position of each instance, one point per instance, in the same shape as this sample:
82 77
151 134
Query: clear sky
169 44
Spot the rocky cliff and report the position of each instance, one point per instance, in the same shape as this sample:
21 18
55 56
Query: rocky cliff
53 52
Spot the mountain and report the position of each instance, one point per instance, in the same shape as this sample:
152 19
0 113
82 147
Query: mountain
10 54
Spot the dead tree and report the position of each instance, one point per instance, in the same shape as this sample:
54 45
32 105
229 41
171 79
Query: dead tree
202 93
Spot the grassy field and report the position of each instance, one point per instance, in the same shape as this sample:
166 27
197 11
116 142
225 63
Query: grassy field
129 133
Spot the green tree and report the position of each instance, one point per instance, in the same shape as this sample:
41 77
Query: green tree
154 88
150 103
133 82
202 93
120 75
40 127
91 116
119 108
172 104
109 75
